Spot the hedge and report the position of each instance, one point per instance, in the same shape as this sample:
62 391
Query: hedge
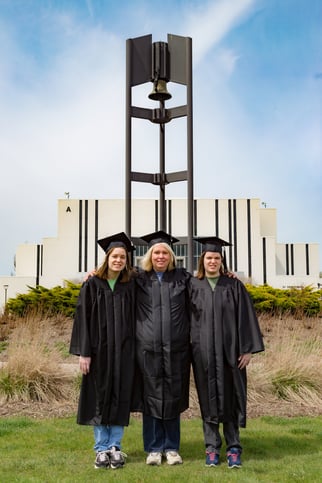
299 302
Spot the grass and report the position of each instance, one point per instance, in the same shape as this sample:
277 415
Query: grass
3 345
288 372
33 371
290 367
58 450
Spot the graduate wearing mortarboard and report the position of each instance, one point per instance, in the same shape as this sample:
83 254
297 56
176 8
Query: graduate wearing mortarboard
224 334
103 337
162 348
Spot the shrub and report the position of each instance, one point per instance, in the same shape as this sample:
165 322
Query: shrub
58 300
304 302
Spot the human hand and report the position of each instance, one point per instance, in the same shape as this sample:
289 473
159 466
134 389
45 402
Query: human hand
89 275
84 364
243 360
231 275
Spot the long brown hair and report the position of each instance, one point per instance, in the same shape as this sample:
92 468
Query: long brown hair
201 268
126 273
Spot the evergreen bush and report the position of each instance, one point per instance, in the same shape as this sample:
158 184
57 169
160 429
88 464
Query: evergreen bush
58 300
299 302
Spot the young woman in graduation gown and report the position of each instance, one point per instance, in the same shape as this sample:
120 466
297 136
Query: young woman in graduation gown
224 334
103 336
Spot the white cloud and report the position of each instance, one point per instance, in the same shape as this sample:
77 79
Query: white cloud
212 21
227 58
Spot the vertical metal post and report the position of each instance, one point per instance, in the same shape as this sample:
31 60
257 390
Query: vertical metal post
128 135
163 216
189 153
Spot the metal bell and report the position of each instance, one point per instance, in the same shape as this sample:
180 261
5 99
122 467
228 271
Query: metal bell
160 91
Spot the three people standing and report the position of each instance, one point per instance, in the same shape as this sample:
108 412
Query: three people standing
174 312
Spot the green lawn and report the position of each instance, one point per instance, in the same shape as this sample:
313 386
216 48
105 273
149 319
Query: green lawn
58 450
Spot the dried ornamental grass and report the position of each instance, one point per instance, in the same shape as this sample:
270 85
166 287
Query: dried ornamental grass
285 379
33 371
289 369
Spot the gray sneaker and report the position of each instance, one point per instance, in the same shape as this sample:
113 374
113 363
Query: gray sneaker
117 458
102 460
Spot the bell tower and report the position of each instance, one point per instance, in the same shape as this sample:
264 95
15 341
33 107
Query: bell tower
160 63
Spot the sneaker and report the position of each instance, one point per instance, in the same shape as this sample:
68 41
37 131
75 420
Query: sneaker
173 458
154 458
233 458
212 458
102 460
117 458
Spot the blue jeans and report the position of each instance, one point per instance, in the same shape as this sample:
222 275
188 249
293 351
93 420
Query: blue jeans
107 436
161 435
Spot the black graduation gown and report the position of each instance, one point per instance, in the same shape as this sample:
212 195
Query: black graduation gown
163 343
223 326
104 330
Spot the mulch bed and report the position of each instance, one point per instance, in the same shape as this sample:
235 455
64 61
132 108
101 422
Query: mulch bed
41 410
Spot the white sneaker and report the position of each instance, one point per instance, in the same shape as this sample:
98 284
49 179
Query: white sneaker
173 458
154 458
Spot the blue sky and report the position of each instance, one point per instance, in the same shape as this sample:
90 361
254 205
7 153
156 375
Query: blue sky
257 74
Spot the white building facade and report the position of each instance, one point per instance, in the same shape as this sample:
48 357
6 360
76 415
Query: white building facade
255 254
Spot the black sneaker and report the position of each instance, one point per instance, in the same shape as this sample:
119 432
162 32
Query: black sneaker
117 458
102 460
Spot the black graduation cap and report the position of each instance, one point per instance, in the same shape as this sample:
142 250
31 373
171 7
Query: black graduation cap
213 244
159 237
117 240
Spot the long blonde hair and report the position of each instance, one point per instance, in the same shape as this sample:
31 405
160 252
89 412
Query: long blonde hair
126 273
146 262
